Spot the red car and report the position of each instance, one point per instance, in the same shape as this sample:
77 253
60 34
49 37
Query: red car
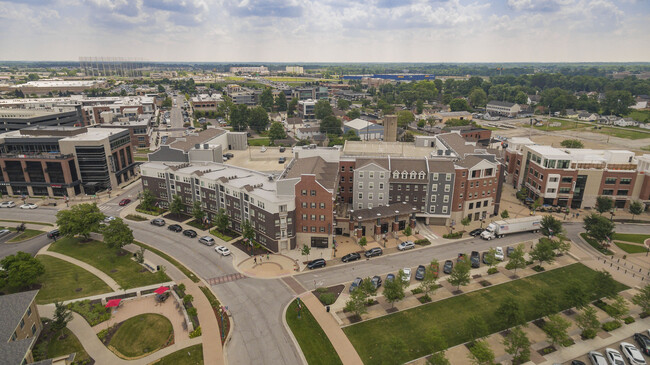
124 202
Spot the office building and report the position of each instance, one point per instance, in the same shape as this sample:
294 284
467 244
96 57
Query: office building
15 119
294 70
205 102
250 69
306 109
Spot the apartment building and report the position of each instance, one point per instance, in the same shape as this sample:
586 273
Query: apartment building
205 102
109 109
250 69
306 109
21 326
576 177
140 129
504 108
477 188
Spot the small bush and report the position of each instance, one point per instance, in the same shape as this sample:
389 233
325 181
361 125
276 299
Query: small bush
417 291
425 299
529 263
93 313
135 217
423 242
628 320
588 334
196 332
451 236
191 312
538 268
610 326
327 298
102 334
492 270
321 290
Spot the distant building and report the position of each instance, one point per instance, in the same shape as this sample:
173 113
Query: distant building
308 132
16 119
443 117
390 128
310 93
364 129
306 109
42 87
504 108
295 70
250 69
204 102
246 96
21 326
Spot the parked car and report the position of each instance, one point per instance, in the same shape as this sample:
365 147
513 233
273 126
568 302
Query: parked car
614 357
509 251
28 206
351 257
419 272
476 232
108 219
633 354
189 233
207 240
282 160
4 232
644 342
375 251
229 155
449 265
406 245
596 358
577 362
407 274
355 284
498 253
224 251
484 257
175 228
376 281
475 259
7 204
124 202
158 222
390 277
315 264
282 149
53 234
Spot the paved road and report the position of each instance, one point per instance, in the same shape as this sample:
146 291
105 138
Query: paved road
30 246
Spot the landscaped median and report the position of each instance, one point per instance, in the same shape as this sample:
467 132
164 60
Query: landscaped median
314 344
139 336
374 339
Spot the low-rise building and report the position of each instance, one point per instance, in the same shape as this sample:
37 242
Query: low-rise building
306 109
442 117
504 108
16 119
364 129
21 326
205 102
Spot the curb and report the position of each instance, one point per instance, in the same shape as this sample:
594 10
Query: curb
286 328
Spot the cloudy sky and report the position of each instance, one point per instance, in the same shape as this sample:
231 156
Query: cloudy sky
327 30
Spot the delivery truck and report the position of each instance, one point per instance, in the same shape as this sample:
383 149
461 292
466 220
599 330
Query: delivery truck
498 229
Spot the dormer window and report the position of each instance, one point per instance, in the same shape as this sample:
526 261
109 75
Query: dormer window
405 175
421 175
396 175
413 175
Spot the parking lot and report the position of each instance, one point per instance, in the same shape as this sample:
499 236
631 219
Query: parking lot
616 346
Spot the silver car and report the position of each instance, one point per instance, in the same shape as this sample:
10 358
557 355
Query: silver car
597 358
406 245
207 240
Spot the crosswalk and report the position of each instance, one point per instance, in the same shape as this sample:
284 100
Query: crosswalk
226 279
425 232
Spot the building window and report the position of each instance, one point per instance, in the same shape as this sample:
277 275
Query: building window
447 188
371 186
433 198
360 206
405 175
322 217
622 192
313 217
421 175
448 177
34 329
313 205
342 179
371 174
567 179
360 195
610 180
304 205
361 174
445 199
444 210
313 193
304 193
369 205
462 184
381 175
29 311
304 228
22 323
313 229
435 176
625 181
370 196
471 205
381 185
322 205
412 174
322 229
342 168
396 175
434 187
550 190
608 192
432 209
351 169
381 196
552 179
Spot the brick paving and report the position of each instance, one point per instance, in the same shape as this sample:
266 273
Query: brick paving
225 279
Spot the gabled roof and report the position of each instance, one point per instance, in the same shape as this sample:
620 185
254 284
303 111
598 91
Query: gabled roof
191 140
381 162
13 307
326 172
471 160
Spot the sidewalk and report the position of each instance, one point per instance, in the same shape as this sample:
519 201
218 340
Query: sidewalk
210 332
277 265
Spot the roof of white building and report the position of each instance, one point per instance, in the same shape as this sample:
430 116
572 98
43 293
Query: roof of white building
358 124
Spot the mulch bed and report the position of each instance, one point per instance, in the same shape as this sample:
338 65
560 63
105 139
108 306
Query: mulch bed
540 323
336 290
391 310
504 333
476 276
457 292
122 252
177 217
569 312
485 283
354 318
546 350
224 326
247 249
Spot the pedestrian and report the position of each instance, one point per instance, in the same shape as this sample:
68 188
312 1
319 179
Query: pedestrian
267 256
255 260
577 215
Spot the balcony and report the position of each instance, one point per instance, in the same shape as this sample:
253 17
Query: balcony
36 156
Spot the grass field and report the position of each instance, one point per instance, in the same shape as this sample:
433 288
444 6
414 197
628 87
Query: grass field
565 125
595 244
259 142
192 355
126 272
172 261
62 281
630 248
25 235
640 115
372 338
142 334
49 345
628 133
314 344
630 237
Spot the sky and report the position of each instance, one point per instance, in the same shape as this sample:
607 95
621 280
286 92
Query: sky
431 31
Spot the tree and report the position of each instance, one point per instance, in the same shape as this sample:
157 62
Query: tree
536 204
475 328
604 204
258 119
404 118
545 302
20 270
247 231
176 207
521 98
543 252
478 97
436 340
147 200
481 354
305 251
331 125
588 322
419 106
117 234
351 135
619 308
291 108
408 137
281 102
222 221
459 274
510 312
617 102
572 143
323 109
188 298
599 228
62 316
636 208
167 102
522 194
438 359
80 220
491 257
363 241
556 330
517 344
353 113
277 131
576 295
505 214
459 104
239 117
465 221
343 104
551 226
139 256
266 99
357 302
517 259
197 211
394 289
161 89
642 299
428 283
407 231
604 285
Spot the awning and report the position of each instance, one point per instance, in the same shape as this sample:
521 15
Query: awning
161 290
113 303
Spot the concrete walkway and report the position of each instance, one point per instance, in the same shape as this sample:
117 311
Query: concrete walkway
210 332
100 274
333 331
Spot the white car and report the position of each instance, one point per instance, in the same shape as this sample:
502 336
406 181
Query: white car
614 357
596 358
8 204
406 245
28 206
263 149
224 251
633 354
498 253
4 232
407 275
109 219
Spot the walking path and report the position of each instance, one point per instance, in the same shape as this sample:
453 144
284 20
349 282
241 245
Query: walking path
210 332
100 274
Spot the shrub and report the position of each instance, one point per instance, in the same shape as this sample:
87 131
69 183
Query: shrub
423 242
417 291
425 299
538 268
92 313
529 263
135 217
610 326
102 334
327 298
588 334
492 270
628 320
191 312
196 332
321 290
452 236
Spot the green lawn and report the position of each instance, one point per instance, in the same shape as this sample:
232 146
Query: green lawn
631 237
595 244
62 281
25 235
259 142
372 338
314 344
215 232
628 133
142 334
640 115
126 272
49 345
629 248
172 261
564 125
141 158
192 355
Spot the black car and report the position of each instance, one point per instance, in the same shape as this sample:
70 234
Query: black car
158 222
189 233
419 272
577 362
53 234
390 277
644 343
476 232
449 265
484 256
282 149
475 259
376 281
355 284
175 228
351 257
315 264
375 251
509 251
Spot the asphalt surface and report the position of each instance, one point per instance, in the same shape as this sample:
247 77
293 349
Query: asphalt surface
30 246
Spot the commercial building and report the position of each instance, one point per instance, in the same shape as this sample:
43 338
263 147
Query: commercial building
64 161
443 117
107 109
310 93
306 109
294 70
504 108
364 129
21 326
205 102
139 130
250 69
43 87
206 146
16 119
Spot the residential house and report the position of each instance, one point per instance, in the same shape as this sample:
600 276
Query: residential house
505 108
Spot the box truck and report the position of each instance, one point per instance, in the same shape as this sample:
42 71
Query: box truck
498 229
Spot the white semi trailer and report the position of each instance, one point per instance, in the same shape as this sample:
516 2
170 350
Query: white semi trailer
498 229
